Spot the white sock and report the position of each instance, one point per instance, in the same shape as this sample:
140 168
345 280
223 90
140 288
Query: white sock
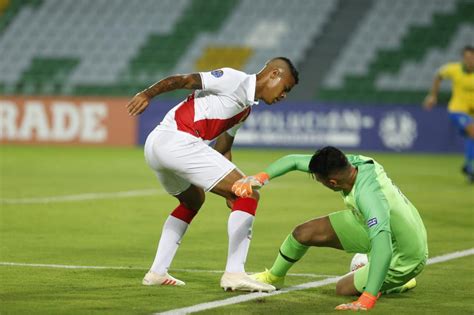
173 231
239 228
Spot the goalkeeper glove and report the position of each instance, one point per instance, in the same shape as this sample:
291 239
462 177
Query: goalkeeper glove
244 186
365 302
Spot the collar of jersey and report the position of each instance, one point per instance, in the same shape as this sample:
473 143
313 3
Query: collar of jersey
252 89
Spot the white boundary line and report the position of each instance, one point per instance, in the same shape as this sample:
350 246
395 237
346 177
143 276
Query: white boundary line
304 286
15 264
84 197
89 196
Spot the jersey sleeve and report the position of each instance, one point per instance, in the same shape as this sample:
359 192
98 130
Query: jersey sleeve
447 71
223 80
288 163
381 255
374 207
233 131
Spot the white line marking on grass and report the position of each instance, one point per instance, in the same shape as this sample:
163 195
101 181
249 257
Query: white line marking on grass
84 197
304 286
450 256
247 297
6 263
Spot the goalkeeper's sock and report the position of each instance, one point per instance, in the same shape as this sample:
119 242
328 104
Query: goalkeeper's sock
290 252
173 231
239 229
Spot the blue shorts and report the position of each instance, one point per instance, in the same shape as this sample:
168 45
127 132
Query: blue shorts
461 121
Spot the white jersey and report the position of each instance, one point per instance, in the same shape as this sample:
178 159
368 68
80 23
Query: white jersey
222 105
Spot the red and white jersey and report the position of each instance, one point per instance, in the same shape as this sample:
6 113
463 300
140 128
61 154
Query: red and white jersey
222 105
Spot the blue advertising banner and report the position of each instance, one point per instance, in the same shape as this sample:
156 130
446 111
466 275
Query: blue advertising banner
347 126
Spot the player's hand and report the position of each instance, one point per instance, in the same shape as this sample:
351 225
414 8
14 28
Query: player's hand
138 104
365 302
430 101
244 186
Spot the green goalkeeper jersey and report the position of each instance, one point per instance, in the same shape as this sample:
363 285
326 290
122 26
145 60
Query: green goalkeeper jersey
375 201
379 206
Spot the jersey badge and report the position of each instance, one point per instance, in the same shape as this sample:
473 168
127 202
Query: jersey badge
217 73
372 222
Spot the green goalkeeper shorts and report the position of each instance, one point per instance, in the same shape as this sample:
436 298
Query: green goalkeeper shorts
354 238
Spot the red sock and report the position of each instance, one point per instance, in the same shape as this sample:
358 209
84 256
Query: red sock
248 205
183 213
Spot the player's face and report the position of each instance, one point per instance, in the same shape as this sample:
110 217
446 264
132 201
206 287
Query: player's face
468 60
278 86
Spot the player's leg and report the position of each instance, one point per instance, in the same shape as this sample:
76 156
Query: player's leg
469 151
239 229
173 231
318 232
465 124
190 197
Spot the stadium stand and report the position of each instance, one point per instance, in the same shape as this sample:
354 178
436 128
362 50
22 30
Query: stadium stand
395 51
100 47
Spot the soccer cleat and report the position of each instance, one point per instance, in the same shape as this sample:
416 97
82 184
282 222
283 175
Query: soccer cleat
267 277
240 281
152 278
408 286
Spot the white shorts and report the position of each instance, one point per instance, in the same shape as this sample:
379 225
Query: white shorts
180 159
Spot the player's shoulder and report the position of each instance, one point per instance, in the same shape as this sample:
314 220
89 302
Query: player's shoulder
229 73
451 66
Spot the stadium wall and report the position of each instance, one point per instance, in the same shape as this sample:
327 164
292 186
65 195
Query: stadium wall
348 126
66 121
104 121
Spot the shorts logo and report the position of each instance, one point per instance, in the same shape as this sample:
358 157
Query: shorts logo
372 222
217 73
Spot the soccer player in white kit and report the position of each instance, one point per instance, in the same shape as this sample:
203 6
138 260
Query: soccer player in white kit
178 151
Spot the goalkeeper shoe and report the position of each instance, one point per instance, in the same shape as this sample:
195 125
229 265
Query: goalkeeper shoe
403 288
267 277
152 278
408 286
240 281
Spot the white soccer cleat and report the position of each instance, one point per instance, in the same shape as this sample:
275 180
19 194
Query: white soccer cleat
152 278
240 281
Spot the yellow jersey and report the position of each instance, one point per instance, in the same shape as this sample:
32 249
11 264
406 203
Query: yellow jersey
462 98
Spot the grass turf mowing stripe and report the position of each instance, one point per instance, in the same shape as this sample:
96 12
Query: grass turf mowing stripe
304 286
84 197
15 264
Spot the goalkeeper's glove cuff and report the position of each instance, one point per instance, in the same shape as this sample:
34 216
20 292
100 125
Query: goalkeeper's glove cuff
262 177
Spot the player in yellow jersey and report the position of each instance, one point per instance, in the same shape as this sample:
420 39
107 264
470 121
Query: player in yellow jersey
461 104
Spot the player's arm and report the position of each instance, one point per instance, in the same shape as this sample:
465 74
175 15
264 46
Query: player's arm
175 82
375 209
288 163
223 145
447 71
432 98
381 255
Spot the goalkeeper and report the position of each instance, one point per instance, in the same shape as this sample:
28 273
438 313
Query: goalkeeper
381 222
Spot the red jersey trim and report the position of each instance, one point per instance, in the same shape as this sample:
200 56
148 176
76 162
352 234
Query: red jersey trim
206 129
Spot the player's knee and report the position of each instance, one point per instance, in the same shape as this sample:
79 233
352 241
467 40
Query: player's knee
470 131
303 234
255 195
310 234
343 289
195 203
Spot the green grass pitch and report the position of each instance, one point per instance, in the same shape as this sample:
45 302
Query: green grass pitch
123 232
